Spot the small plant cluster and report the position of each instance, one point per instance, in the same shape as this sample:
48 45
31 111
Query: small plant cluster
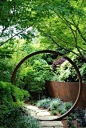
54 105
45 103
79 115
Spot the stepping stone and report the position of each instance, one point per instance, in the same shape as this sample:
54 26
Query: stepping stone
40 110
47 127
34 108
32 113
53 127
43 114
51 124
47 117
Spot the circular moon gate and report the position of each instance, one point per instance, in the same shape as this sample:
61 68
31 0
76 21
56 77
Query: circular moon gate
75 67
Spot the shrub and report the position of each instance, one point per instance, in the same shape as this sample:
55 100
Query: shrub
45 103
54 112
35 76
59 109
67 71
70 124
33 102
68 105
55 103
12 117
63 112
6 91
83 72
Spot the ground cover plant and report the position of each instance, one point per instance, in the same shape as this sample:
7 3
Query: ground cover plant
56 105
78 115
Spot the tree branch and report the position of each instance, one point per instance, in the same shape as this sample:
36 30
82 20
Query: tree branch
79 31
3 31
62 47
82 49
81 34
62 40
16 34
78 47
59 45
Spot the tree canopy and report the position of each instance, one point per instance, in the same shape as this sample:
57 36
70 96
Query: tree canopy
60 23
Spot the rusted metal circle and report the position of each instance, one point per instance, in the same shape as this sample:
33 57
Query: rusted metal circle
75 67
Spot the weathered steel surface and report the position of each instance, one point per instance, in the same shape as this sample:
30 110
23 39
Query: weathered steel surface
78 73
67 91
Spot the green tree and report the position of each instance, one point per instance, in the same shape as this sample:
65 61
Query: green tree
64 25
60 23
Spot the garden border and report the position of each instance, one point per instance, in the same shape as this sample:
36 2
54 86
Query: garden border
75 67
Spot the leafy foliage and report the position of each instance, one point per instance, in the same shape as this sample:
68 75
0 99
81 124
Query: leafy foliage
7 90
55 105
6 69
45 103
68 73
59 24
79 115
10 113
63 26
34 77
11 116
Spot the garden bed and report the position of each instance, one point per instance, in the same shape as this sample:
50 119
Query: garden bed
76 119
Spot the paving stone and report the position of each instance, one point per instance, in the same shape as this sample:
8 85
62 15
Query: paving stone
43 114
46 117
51 123
33 114
41 110
47 127
31 107
57 127
53 127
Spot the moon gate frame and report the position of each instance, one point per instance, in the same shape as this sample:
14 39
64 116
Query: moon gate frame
75 67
